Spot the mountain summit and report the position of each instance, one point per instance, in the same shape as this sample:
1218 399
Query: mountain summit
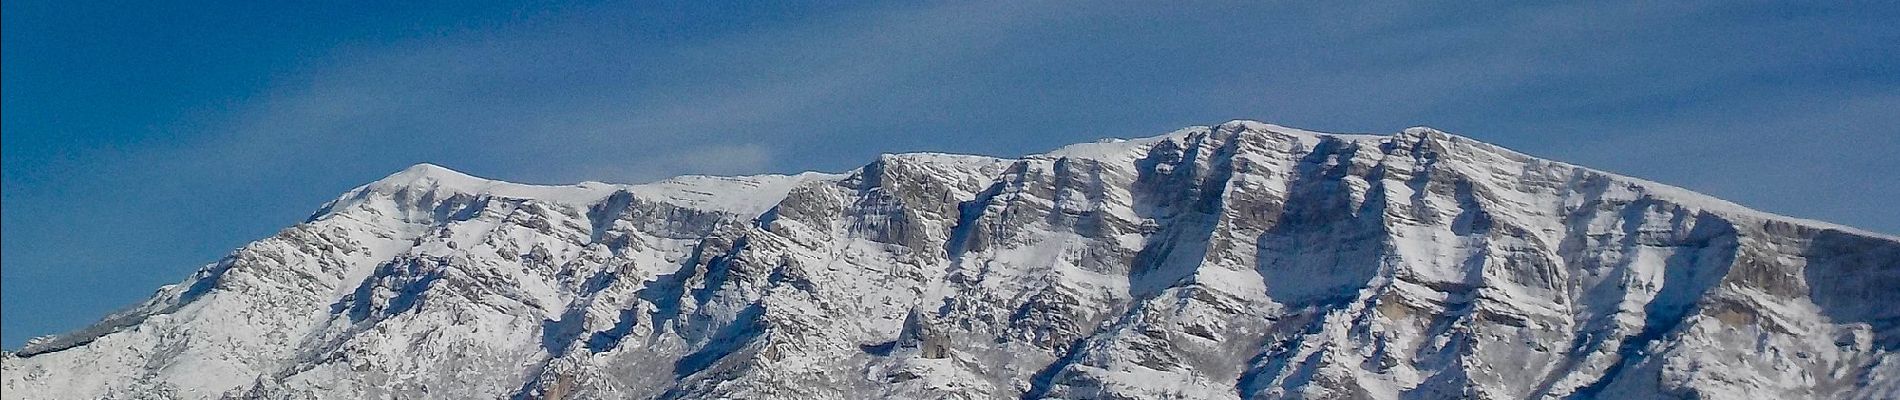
1243 260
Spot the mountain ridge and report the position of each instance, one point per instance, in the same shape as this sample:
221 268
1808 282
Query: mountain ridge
1341 265
1683 194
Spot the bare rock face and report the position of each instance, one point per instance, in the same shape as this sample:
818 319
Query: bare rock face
1243 260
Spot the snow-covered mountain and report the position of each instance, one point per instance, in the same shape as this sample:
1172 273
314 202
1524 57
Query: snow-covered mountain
1243 260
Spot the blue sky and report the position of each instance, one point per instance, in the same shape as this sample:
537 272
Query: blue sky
143 140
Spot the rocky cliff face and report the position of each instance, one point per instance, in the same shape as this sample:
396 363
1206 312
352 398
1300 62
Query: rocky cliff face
1243 260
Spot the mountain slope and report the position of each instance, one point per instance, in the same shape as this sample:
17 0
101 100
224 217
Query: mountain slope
1243 260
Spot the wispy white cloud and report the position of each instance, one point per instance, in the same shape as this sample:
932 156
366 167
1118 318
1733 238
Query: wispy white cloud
557 102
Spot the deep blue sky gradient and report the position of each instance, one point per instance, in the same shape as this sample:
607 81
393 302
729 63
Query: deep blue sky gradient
143 140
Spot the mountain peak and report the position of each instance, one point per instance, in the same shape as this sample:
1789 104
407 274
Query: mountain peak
426 174
422 184
430 169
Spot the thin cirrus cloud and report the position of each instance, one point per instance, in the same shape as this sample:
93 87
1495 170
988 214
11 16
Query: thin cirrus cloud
1781 107
568 100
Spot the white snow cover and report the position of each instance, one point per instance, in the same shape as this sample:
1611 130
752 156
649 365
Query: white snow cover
1241 260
